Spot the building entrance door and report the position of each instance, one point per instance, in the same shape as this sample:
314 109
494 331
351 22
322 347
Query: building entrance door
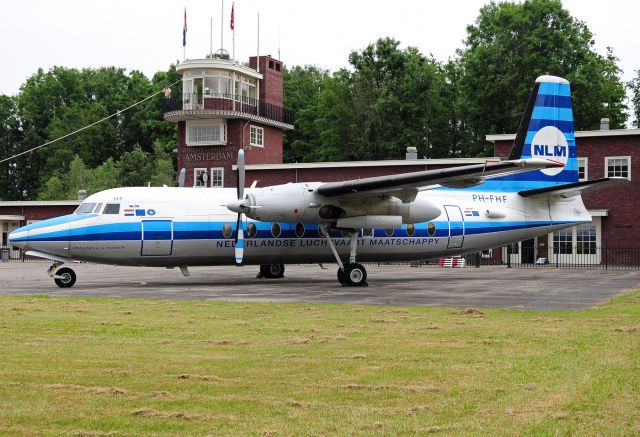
527 251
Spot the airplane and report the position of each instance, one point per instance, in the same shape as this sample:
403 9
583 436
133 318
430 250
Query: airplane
402 217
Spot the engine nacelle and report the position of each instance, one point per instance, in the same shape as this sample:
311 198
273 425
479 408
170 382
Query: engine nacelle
300 203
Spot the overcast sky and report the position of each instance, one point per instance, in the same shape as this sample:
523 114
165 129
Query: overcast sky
146 35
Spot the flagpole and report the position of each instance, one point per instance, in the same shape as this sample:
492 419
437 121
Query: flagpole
211 36
222 26
234 31
258 50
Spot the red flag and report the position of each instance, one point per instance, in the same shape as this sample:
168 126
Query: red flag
232 5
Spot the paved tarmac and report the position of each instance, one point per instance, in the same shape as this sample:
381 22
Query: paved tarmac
499 287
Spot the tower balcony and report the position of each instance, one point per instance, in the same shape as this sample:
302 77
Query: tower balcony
197 106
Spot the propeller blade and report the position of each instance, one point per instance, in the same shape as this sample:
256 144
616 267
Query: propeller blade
239 249
240 188
181 177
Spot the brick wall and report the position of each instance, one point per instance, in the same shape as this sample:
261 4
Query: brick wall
619 227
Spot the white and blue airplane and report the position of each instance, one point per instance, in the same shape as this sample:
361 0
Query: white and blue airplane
411 216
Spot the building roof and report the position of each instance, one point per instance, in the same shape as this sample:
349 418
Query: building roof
40 203
579 134
384 163
217 64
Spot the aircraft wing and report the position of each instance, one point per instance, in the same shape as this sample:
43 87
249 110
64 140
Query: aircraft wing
576 188
454 177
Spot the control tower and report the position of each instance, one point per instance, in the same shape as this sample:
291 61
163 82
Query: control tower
226 106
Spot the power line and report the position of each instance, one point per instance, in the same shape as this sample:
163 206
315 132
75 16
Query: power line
120 111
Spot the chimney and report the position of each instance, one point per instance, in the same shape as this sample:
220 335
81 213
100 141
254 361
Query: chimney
82 194
412 153
604 124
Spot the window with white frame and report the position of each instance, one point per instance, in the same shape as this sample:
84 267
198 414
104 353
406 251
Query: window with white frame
563 242
200 177
257 136
205 134
618 166
586 239
583 169
217 177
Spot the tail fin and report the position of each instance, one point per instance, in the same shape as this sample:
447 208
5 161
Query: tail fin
546 131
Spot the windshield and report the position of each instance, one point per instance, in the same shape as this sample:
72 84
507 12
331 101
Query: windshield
85 208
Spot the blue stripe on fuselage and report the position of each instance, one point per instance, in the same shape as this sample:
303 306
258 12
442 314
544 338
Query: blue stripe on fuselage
213 231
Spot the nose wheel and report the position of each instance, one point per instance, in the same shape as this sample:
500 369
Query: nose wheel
272 271
64 277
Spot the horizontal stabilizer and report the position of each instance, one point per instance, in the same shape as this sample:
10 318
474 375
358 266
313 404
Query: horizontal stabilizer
574 188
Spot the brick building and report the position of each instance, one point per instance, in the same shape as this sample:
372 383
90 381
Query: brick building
226 106
614 232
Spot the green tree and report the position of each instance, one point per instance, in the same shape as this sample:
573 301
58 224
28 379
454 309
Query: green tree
163 170
398 101
302 85
10 134
53 189
510 44
135 168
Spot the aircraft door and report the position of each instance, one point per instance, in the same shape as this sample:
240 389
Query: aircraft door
157 238
456 226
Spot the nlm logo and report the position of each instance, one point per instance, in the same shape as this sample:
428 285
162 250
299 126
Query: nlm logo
546 150
549 143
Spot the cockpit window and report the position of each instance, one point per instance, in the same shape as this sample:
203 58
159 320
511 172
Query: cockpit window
85 208
97 210
112 208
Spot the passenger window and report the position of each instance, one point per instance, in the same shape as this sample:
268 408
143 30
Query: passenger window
85 208
112 208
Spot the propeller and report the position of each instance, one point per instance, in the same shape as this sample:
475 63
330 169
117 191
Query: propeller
239 246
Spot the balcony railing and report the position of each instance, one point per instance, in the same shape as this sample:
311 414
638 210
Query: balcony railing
232 103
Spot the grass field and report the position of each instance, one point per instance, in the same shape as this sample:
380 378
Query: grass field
92 367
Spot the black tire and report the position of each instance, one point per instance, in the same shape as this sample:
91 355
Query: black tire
340 276
272 271
67 279
355 275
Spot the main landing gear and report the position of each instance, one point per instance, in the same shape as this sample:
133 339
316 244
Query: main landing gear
271 271
351 274
64 277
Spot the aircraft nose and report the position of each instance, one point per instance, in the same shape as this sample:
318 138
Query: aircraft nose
19 237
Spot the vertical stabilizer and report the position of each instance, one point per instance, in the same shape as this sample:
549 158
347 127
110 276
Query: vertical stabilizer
546 131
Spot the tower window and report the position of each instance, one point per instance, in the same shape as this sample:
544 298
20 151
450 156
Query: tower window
205 134
257 136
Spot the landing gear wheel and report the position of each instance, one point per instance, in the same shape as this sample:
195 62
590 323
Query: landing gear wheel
66 278
272 271
355 275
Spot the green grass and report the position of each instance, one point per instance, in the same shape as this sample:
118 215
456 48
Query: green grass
155 367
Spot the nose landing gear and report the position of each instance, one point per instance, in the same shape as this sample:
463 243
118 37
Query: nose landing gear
64 277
